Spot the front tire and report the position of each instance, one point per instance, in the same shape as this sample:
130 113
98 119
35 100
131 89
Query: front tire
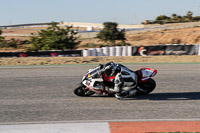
148 87
82 91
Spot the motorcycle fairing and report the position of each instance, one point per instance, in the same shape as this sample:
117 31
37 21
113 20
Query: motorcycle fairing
92 84
144 74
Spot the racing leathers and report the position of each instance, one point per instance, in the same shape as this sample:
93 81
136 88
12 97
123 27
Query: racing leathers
122 78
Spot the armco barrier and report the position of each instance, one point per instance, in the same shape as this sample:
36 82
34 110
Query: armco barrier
42 53
171 49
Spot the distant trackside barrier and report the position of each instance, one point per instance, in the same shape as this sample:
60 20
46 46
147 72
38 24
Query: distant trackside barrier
72 53
170 49
109 51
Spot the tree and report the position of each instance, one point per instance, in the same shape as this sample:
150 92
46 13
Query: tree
54 38
189 15
197 18
174 16
162 17
1 37
110 33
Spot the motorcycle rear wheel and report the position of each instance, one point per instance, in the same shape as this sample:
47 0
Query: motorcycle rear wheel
82 91
148 87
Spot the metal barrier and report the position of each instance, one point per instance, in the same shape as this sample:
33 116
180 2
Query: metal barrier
170 49
67 53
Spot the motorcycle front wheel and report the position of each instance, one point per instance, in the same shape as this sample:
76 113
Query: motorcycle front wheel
147 87
82 91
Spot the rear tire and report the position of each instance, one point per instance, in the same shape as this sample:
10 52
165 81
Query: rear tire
148 87
82 91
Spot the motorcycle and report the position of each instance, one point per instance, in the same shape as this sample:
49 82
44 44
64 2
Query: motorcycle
92 83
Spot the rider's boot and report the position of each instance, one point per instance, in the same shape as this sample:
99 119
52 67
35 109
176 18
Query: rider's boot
118 96
140 89
118 93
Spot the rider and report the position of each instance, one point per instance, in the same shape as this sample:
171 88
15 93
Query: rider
118 74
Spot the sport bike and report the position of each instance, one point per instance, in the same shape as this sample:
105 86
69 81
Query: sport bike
93 83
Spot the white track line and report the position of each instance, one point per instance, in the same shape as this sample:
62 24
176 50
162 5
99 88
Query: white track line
79 126
102 127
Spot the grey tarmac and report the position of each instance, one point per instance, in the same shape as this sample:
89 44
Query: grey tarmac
45 93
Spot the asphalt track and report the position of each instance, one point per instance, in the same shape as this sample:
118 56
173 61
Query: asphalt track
39 94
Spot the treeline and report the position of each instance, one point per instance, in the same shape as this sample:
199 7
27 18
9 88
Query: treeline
174 18
62 38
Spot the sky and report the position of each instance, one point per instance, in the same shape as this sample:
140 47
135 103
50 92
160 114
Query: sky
92 11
